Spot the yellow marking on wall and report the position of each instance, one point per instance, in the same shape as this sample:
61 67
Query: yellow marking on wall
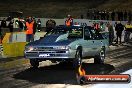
13 49
6 38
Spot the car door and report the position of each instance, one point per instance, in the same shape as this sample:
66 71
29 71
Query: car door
98 41
91 42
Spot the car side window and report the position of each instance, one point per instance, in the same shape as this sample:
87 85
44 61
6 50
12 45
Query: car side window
87 34
92 34
96 34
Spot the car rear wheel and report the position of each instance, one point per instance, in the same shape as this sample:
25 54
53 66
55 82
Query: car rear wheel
99 59
78 59
34 63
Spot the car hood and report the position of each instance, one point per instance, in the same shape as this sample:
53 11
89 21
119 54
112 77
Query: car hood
50 40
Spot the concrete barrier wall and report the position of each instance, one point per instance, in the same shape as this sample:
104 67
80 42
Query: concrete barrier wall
14 44
13 49
20 37
79 21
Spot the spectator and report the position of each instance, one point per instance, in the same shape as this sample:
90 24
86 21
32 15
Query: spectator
97 26
10 26
81 16
128 29
129 16
113 15
29 30
34 26
114 29
88 15
39 25
111 33
20 23
102 26
97 15
3 23
17 24
104 15
69 21
107 15
121 16
93 15
119 28
125 16
9 18
50 24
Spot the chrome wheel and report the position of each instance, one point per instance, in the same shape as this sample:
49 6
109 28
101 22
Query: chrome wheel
78 59
34 63
102 55
99 59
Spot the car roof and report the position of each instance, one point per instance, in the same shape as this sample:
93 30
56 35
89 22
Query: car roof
74 26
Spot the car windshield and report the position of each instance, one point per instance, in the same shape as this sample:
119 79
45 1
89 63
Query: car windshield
58 30
75 32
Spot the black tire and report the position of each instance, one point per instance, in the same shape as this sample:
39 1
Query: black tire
34 63
99 59
78 59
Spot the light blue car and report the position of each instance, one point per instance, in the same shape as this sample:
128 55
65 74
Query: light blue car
68 44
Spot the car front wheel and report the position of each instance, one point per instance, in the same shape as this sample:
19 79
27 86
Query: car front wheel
78 59
99 59
34 63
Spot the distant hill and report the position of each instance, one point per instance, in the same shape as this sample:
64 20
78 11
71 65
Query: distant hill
60 8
